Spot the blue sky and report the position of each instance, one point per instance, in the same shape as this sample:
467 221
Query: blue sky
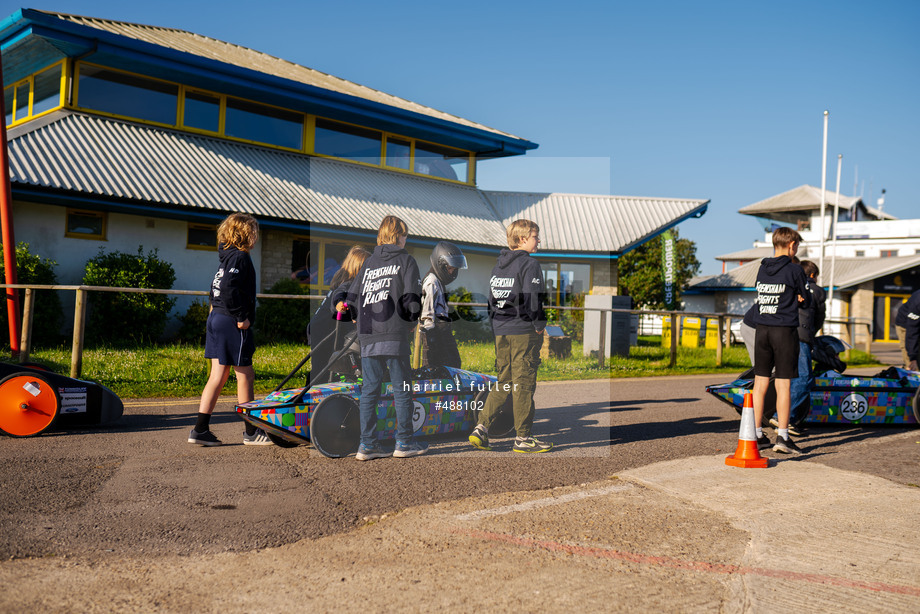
714 100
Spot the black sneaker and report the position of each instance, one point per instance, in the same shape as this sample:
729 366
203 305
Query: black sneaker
203 439
786 446
480 438
531 444
763 442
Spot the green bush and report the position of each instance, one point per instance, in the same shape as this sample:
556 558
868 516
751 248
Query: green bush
571 321
283 320
47 316
193 323
128 318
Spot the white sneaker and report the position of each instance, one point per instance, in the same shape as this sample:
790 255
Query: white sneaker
259 438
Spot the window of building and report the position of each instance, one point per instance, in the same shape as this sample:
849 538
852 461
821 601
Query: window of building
565 281
126 94
345 141
85 225
263 124
398 153
443 162
889 253
314 262
34 95
860 253
201 111
202 236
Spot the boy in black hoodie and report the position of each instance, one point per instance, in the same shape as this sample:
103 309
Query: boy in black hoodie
781 289
516 300
386 295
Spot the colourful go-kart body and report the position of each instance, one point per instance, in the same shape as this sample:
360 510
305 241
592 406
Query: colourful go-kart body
33 399
445 400
889 397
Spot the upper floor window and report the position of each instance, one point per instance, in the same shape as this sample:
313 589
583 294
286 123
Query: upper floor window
125 94
201 111
85 225
441 162
34 95
345 141
264 124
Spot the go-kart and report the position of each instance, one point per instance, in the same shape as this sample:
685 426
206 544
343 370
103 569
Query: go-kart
445 400
891 396
33 399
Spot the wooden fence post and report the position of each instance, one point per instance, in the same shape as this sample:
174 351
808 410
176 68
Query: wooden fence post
79 320
674 332
602 342
26 345
719 345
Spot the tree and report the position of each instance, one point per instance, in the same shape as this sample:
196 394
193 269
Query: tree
640 271
47 317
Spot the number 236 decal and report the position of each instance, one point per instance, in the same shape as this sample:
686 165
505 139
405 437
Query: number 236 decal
854 406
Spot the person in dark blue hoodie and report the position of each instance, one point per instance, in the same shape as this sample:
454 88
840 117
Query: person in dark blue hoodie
516 298
386 296
229 343
907 325
782 288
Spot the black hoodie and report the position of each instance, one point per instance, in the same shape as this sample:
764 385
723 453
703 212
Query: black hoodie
386 295
516 294
779 284
233 291
909 318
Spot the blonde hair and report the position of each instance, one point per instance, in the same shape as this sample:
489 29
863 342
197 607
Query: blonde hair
239 230
784 237
391 229
519 231
350 266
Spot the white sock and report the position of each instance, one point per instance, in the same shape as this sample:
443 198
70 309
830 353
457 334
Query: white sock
784 433
759 431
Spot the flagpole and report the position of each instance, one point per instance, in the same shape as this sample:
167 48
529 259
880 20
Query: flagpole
823 192
830 294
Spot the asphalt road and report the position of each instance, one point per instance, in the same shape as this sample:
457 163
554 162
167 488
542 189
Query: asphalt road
138 489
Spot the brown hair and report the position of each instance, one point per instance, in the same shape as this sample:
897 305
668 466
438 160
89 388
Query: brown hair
239 230
784 237
350 266
391 229
810 268
519 231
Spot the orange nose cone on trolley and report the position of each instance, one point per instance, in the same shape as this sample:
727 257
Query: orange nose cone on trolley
746 454
28 405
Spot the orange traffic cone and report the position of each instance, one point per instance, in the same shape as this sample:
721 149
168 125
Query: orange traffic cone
747 455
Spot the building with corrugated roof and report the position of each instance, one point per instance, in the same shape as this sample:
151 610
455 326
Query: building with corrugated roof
122 134
871 258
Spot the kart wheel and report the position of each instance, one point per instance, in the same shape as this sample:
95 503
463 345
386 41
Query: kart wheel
335 427
280 441
503 423
28 404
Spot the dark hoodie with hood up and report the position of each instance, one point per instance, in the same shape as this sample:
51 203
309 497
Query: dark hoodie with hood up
386 295
779 284
233 290
516 294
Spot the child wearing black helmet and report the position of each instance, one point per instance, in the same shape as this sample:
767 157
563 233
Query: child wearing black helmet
438 345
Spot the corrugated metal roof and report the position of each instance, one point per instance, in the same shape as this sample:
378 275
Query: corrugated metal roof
748 254
203 46
584 222
802 198
104 157
848 272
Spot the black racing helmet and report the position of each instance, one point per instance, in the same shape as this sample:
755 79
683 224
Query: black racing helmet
446 254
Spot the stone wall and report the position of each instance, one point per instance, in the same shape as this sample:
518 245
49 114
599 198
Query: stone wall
605 280
277 247
862 309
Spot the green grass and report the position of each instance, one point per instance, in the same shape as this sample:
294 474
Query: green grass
181 370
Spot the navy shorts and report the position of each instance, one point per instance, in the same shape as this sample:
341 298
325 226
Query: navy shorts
227 343
776 346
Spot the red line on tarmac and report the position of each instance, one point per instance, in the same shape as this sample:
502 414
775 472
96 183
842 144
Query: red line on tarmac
666 561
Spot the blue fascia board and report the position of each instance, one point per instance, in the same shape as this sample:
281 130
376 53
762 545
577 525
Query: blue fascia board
578 255
698 212
124 52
